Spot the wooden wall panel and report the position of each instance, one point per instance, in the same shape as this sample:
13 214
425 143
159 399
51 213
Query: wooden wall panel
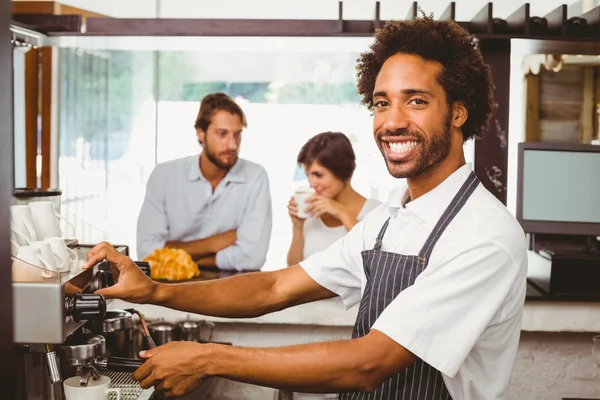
46 110
32 90
588 106
50 7
561 104
532 108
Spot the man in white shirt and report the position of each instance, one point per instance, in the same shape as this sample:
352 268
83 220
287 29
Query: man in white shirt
440 276
214 205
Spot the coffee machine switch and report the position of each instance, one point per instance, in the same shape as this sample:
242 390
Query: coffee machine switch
86 307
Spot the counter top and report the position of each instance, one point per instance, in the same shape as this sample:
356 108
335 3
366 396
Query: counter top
542 313
329 312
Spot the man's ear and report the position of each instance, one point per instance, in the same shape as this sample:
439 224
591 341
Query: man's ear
460 113
201 135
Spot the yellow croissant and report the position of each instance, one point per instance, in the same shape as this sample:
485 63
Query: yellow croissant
172 265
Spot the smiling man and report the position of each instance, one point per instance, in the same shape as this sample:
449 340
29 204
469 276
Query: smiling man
439 275
214 205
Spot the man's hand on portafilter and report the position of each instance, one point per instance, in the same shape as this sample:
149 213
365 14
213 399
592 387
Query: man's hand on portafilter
175 368
132 284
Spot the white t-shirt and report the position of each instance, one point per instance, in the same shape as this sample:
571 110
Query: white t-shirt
318 236
463 313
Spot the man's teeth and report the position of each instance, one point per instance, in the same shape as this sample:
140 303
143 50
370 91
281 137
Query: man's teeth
402 147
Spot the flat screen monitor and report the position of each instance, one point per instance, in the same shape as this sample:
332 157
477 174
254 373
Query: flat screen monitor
559 188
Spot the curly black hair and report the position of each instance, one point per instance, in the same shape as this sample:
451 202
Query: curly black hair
465 76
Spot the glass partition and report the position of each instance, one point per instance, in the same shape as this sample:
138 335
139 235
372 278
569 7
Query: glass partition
103 167
129 103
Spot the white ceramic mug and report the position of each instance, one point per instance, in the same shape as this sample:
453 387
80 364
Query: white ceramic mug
95 390
45 220
14 245
47 255
32 256
65 256
300 196
21 224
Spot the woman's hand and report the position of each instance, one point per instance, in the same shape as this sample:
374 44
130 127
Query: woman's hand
319 205
293 211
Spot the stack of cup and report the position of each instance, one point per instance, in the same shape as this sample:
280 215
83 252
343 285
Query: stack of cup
36 237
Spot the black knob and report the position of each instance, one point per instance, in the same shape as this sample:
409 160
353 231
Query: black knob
144 266
500 26
99 281
538 25
105 268
86 307
577 26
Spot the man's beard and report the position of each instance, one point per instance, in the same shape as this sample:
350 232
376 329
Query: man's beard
431 151
213 158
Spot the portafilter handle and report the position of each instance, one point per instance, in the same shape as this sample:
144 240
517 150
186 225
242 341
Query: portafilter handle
118 364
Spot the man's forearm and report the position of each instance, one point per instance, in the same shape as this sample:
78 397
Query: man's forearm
207 246
340 366
244 296
207 261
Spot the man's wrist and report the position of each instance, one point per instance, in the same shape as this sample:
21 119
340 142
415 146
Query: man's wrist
159 293
215 356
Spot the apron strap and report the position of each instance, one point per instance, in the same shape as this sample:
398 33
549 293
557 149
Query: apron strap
455 206
380 235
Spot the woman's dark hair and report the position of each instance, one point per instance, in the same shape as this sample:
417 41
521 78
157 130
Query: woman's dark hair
333 151
211 103
465 76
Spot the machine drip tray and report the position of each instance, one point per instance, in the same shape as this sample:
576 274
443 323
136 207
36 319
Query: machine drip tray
130 389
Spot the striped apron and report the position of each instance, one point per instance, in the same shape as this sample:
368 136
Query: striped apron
388 274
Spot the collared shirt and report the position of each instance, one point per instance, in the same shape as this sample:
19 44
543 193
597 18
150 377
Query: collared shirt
180 205
463 313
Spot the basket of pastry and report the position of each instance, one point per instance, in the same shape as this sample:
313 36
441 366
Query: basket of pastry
172 265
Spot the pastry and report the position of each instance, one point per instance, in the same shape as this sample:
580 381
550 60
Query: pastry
172 265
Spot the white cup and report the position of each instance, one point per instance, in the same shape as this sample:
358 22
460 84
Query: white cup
48 257
45 220
22 224
14 244
64 255
300 196
30 255
95 390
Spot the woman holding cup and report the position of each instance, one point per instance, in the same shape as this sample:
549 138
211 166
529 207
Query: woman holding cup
330 207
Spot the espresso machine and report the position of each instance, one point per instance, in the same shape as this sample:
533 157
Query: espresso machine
63 329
